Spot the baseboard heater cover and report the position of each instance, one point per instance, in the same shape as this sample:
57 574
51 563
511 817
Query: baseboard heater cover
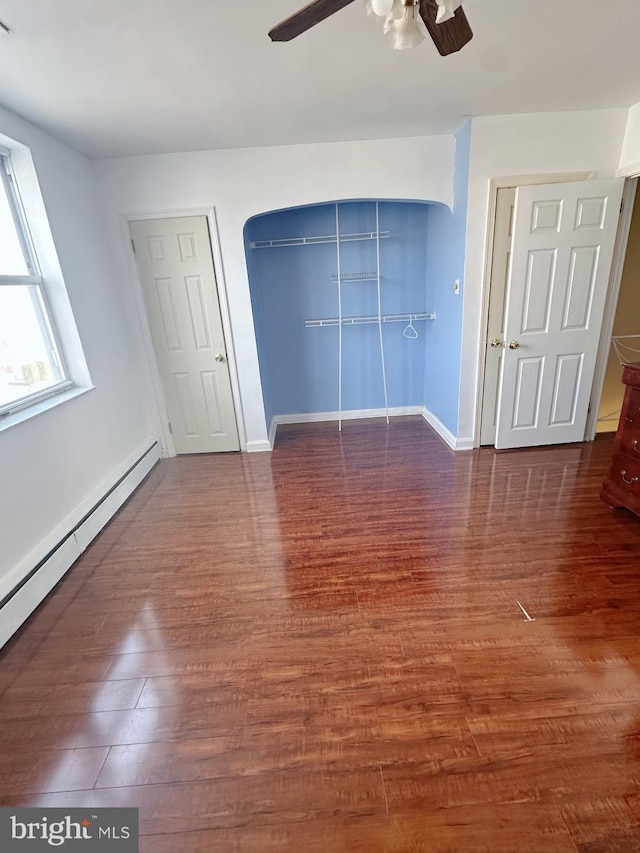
20 602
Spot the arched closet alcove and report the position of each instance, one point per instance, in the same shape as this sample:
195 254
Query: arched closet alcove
312 365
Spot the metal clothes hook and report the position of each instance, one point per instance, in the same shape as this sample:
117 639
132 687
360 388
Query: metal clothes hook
410 332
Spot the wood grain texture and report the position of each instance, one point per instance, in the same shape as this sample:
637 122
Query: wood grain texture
307 17
449 36
321 649
622 486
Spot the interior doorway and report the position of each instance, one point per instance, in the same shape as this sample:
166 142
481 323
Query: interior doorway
503 232
551 259
175 264
626 329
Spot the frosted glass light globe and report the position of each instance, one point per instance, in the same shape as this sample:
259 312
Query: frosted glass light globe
382 8
405 33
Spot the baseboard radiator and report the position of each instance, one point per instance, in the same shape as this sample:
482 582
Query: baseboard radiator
20 602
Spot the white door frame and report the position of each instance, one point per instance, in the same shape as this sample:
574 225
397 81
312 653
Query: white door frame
494 185
615 280
166 439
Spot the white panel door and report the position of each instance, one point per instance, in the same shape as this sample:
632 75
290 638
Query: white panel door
561 253
176 269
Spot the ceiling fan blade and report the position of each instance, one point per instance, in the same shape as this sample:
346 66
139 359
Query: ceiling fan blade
306 18
449 36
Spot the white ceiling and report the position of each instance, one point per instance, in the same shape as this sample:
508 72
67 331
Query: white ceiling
118 77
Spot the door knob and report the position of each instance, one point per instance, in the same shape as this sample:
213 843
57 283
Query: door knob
496 342
514 345
219 357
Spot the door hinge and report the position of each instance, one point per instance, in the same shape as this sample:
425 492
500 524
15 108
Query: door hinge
133 246
170 429
621 205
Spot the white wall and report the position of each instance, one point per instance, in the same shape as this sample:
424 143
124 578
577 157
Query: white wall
242 183
53 464
630 157
505 146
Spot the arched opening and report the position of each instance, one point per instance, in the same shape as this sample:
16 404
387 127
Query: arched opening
341 329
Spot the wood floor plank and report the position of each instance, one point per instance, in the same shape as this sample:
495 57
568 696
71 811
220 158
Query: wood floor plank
138 725
191 806
84 697
49 771
221 656
605 824
498 829
176 761
321 649
222 685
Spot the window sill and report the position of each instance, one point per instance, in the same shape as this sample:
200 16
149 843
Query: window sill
43 406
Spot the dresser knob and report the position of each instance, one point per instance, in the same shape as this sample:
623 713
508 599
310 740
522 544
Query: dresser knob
634 444
628 420
630 482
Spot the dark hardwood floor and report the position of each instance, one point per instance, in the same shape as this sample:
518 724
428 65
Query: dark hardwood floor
321 649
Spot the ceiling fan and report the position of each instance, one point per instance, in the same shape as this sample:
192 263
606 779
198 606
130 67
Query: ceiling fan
444 20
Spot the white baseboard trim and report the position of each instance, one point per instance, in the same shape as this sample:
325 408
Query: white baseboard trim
349 415
464 443
353 414
34 578
258 446
445 433
272 431
436 424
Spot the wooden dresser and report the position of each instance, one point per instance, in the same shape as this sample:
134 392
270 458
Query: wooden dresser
622 486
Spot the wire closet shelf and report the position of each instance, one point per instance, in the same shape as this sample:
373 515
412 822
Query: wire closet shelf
370 318
314 241
340 278
623 349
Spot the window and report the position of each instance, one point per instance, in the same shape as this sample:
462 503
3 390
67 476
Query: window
31 366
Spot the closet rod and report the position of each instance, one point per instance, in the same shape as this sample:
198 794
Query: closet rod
369 318
356 276
312 241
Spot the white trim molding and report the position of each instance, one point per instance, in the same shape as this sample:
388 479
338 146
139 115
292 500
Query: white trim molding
260 446
357 414
33 579
495 184
609 316
273 428
209 212
348 415
445 433
632 170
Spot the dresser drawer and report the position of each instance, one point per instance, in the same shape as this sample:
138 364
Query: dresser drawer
631 409
629 437
625 473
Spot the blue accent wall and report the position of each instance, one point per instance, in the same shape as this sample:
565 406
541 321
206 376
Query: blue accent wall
445 265
299 365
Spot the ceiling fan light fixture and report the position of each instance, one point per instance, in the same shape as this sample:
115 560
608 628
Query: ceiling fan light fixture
384 10
396 14
406 32
381 8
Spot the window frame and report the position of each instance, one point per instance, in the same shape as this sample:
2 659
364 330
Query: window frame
37 284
